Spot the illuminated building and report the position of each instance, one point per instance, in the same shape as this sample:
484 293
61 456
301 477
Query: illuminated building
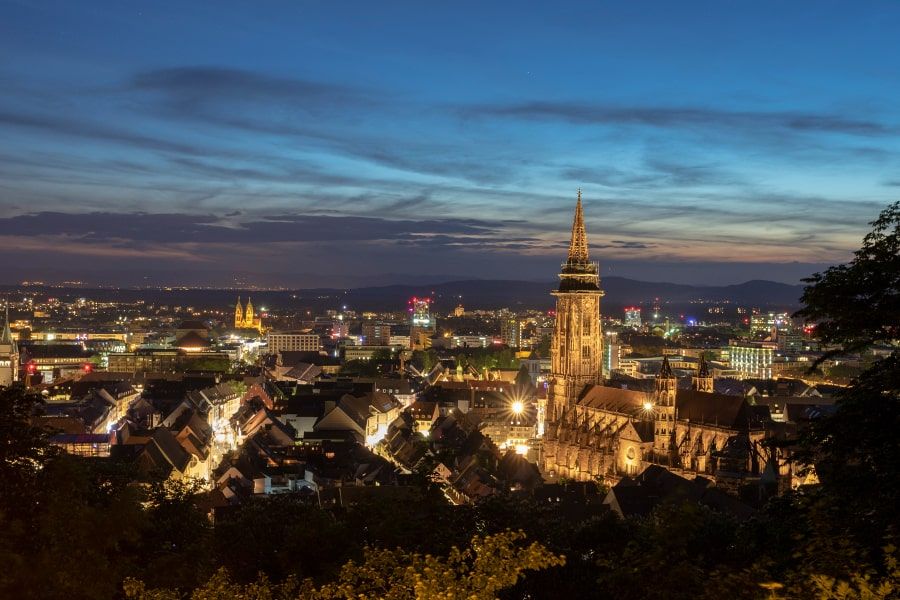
422 324
421 312
511 331
51 361
9 355
245 317
576 349
598 432
459 311
612 353
752 359
770 323
633 317
281 341
376 334
470 341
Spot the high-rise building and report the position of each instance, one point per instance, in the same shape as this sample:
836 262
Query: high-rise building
9 355
422 324
576 349
633 317
612 353
511 331
376 334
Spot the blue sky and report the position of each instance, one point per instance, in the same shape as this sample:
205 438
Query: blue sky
355 143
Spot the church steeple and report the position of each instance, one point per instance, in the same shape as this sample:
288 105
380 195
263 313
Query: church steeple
238 315
576 351
250 314
6 337
9 355
703 381
664 412
578 246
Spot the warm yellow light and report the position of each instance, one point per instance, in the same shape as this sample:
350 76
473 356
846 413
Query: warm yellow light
648 406
518 407
521 449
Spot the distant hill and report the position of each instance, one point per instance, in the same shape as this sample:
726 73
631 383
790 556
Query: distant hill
487 294
529 294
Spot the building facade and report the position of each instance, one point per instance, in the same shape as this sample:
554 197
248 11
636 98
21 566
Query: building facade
301 341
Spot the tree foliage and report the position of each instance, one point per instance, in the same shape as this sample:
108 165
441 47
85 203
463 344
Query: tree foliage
858 304
490 564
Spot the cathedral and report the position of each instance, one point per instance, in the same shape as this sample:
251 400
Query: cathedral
9 355
600 432
245 318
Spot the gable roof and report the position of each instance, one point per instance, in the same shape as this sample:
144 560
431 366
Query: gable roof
719 410
612 399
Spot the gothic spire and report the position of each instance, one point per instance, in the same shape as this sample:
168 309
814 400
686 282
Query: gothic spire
6 337
578 247
665 372
703 367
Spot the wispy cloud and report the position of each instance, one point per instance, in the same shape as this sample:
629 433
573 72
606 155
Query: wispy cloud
671 116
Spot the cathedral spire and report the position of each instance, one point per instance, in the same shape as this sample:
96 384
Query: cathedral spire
703 367
578 247
6 337
665 372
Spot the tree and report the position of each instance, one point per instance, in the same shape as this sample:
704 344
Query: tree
858 304
24 450
490 564
851 516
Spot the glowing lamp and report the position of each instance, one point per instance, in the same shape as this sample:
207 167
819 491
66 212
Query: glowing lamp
518 407
648 406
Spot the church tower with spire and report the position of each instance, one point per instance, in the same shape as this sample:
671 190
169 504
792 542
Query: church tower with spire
703 381
664 411
576 351
239 315
250 315
9 355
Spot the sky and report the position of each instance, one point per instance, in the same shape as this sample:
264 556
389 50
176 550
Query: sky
328 143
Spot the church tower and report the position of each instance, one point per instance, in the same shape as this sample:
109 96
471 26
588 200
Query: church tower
703 381
575 353
250 316
9 355
664 411
238 315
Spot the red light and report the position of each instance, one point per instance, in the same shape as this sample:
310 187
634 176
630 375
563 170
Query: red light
31 368
87 367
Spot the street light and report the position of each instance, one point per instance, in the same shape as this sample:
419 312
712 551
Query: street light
517 407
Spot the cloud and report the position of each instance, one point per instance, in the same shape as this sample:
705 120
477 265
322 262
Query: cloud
668 117
82 128
163 228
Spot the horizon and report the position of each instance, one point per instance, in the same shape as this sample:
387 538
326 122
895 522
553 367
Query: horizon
71 285
311 146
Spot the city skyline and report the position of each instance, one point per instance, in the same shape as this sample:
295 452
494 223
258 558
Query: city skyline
314 146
